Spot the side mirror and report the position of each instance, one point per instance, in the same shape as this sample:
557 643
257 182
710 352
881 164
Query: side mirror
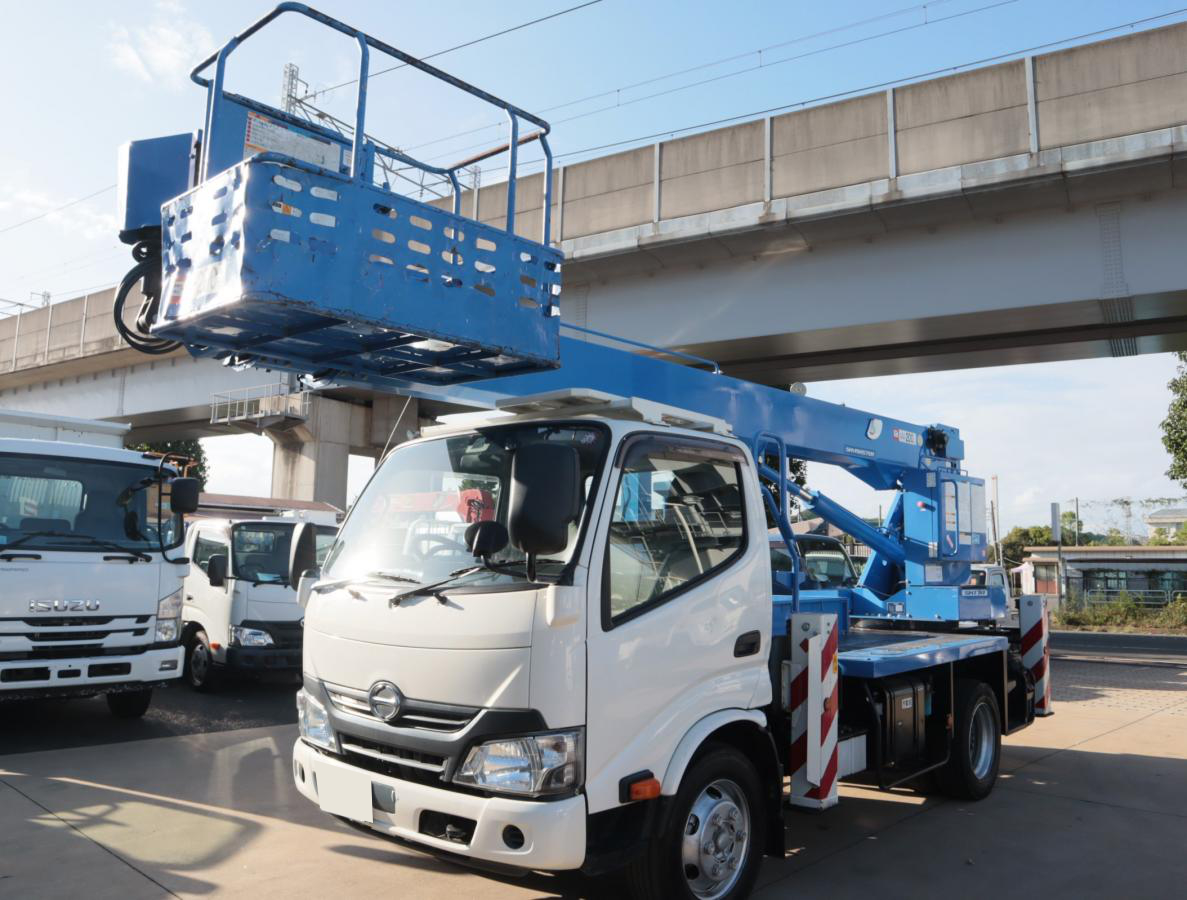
183 495
216 570
305 586
302 553
486 538
545 497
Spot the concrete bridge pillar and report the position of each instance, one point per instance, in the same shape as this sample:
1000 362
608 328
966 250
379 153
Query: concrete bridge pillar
310 460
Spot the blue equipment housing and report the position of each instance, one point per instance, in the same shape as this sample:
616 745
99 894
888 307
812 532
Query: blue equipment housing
287 255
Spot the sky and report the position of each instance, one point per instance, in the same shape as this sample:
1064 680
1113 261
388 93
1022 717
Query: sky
84 78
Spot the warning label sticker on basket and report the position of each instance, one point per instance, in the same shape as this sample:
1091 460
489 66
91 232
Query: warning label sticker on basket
267 135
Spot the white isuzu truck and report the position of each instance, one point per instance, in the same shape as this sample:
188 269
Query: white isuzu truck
90 563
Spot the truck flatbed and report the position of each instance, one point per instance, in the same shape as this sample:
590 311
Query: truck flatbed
869 653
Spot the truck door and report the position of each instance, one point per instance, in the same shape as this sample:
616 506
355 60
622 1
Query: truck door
676 618
205 604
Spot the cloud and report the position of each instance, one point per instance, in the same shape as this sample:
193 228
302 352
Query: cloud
165 49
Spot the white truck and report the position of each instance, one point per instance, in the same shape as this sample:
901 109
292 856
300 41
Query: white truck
90 563
240 614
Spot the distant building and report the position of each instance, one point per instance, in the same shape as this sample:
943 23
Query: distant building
233 506
1169 520
1154 575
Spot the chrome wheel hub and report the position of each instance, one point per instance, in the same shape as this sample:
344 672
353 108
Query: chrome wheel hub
982 737
716 840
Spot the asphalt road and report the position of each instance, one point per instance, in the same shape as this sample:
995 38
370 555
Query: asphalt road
1147 648
177 710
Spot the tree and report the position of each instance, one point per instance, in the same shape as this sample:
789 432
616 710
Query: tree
1114 538
1164 538
1072 528
192 449
1021 537
1174 426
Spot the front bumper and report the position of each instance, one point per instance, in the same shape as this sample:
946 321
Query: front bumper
264 659
89 674
553 831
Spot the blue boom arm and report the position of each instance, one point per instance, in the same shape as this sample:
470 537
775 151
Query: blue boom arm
280 250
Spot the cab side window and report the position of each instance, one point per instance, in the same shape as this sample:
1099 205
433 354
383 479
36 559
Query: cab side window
678 518
204 548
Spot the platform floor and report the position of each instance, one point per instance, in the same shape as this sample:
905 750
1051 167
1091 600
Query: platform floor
1092 803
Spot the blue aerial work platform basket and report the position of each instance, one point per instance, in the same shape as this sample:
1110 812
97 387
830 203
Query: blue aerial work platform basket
287 253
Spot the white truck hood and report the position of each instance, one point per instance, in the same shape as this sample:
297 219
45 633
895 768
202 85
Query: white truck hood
474 649
82 583
267 602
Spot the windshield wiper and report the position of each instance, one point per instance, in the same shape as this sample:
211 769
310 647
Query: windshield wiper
343 582
434 589
97 542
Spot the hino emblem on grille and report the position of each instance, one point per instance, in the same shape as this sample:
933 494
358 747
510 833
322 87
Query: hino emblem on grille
385 700
63 605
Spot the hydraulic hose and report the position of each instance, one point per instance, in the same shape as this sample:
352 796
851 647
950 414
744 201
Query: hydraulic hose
147 271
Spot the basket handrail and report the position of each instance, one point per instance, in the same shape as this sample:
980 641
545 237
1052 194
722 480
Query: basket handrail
215 97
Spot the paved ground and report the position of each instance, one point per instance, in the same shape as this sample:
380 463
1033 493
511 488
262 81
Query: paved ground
1092 803
1145 648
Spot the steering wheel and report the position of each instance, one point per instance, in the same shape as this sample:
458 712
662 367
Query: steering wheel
441 544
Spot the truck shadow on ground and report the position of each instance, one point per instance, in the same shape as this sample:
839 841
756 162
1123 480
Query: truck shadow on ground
36 725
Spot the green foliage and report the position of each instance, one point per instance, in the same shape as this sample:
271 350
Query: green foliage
1123 614
191 449
1174 426
1114 538
1024 536
1164 538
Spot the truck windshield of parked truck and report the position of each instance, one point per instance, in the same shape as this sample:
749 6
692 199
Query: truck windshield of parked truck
260 550
64 503
410 522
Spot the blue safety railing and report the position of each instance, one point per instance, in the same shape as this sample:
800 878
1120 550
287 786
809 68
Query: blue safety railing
217 100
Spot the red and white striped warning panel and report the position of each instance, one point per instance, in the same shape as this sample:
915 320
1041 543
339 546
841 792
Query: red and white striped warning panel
1036 634
814 696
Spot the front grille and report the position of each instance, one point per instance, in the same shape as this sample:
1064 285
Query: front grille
438 717
394 762
69 652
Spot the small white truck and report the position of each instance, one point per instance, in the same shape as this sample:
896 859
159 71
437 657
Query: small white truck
240 614
90 563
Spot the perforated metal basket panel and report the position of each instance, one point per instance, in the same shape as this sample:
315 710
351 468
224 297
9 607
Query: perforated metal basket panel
279 262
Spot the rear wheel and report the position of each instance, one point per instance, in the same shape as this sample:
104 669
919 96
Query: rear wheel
976 744
200 672
713 847
129 704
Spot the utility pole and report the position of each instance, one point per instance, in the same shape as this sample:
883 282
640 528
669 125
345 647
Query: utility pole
1077 521
1057 536
292 88
997 509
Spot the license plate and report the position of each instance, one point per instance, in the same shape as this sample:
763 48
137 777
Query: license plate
344 792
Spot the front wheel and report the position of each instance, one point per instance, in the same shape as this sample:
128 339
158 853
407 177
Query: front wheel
713 849
200 670
129 704
976 745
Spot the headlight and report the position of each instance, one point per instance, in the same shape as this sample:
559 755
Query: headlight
314 723
250 637
533 765
169 618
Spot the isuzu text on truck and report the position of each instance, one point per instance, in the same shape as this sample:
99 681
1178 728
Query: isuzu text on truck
555 639
90 563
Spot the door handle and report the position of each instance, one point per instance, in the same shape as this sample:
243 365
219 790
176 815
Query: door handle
748 644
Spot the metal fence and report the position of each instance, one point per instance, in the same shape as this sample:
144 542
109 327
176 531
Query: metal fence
258 402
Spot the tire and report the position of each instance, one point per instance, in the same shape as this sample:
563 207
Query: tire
719 806
200 671
129 704
976 744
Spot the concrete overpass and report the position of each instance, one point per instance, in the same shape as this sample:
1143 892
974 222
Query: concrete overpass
1022 212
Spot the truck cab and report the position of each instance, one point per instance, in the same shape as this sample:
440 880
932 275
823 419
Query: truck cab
91 563
240 613
823 560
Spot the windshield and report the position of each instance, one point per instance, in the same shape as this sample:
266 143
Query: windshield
412 518
826 563
62 503
260 550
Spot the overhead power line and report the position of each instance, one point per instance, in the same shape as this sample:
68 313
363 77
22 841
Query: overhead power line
618 91
563 12
48 212
894 82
